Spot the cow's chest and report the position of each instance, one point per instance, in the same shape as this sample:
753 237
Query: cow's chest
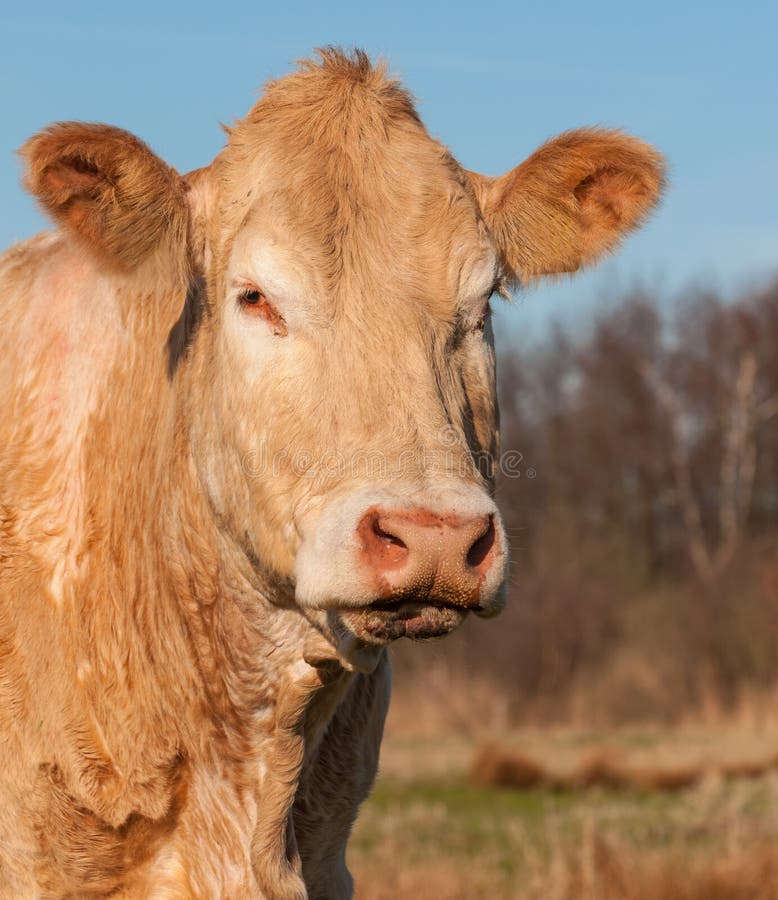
228 829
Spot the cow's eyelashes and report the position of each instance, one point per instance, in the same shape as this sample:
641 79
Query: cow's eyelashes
255 304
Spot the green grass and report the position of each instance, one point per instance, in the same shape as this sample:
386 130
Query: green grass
456 823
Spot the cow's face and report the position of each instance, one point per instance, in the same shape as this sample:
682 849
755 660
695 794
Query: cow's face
340 387
351 346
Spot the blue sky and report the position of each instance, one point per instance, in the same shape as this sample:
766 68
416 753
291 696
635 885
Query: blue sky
492 80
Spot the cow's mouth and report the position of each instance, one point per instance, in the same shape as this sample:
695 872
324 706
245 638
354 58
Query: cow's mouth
386 621
360 634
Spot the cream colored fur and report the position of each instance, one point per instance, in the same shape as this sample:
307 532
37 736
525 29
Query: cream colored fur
185 708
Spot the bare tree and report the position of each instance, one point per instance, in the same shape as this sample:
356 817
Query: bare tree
740 415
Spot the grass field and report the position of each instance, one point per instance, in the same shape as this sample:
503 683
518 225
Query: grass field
430 831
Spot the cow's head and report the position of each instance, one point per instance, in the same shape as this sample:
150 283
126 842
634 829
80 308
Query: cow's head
338 371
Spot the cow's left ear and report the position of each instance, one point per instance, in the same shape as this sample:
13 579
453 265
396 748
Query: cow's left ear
108 187
571 201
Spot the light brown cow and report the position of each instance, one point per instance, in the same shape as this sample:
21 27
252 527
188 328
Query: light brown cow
247 416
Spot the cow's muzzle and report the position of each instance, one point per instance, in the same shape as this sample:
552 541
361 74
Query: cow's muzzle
417 557
393 568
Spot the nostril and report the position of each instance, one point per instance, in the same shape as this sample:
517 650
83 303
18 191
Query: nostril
482 547
382 546
386 536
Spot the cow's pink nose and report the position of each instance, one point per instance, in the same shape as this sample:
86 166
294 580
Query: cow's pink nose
419 555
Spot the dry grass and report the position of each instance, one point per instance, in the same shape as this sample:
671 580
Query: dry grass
603 767
748 768
460 699
606 767
493 766
428 882
631 815
601 870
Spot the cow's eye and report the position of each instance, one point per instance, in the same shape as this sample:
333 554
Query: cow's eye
250 296
255 304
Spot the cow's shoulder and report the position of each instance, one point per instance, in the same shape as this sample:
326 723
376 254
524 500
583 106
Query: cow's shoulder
61 333
59 322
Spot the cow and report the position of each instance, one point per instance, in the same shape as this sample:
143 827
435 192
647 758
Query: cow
248 441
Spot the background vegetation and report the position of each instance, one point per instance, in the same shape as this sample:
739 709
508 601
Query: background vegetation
615 733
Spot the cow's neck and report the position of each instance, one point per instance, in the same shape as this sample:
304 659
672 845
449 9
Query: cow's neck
270 682
230 702
190 693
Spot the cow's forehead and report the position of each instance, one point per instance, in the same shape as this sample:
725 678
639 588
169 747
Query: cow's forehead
435 276
336 158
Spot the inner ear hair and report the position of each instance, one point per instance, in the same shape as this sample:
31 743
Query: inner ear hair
571 201
108 187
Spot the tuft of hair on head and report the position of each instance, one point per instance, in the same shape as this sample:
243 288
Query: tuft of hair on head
323 86
335 60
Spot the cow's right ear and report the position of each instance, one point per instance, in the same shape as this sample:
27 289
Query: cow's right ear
108 187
